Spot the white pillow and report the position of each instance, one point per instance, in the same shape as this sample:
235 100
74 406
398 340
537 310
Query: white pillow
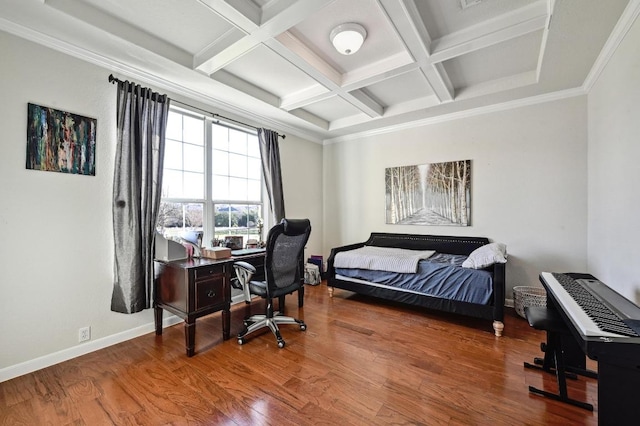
486 255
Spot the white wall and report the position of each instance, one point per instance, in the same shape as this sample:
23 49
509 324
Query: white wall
302 185
528 183
56 256
614 163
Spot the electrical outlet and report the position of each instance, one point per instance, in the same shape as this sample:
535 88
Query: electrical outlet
84 334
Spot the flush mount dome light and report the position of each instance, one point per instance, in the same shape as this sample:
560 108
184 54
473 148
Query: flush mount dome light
347 38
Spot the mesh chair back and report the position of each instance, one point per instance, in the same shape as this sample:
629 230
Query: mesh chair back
285 246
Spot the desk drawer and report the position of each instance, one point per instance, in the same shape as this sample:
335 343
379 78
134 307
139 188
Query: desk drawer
209 293
208 272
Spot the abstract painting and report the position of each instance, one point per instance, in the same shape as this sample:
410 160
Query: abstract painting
59 141
429 194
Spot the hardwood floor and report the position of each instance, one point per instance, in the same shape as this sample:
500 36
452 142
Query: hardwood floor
361 362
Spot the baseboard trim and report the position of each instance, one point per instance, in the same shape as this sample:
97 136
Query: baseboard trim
509 303
30 366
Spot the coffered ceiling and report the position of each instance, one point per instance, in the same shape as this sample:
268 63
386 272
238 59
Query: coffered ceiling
271 61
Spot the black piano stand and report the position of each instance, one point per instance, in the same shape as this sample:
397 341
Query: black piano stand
573 356
557 347
554 346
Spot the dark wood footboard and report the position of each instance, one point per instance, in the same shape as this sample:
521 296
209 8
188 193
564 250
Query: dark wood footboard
442 244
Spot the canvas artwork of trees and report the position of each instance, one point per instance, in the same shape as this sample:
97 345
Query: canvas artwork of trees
429 194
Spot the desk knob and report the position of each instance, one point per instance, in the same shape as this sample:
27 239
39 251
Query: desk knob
211 293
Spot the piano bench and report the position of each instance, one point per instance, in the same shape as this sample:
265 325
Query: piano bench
548 319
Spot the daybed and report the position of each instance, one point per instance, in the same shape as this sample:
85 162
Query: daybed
453 291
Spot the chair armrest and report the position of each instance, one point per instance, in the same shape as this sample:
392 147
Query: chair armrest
246 266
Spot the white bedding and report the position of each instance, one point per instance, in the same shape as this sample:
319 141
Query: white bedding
382 259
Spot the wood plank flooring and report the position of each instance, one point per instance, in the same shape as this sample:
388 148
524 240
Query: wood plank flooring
361 362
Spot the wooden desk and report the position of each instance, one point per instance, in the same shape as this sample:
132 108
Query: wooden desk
193 288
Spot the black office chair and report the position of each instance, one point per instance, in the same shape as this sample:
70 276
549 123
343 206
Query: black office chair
284 251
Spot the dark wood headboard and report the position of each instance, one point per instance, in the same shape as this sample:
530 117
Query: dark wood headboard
439 243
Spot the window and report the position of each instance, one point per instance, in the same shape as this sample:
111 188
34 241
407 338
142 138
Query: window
212 180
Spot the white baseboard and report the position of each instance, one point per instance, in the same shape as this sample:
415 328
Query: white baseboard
508 303
30 366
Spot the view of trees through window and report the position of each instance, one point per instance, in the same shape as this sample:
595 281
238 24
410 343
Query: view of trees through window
225 200
237 219
181 216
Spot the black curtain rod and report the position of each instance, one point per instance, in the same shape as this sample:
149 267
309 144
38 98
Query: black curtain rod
113 79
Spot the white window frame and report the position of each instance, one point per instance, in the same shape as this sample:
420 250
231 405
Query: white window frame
208 202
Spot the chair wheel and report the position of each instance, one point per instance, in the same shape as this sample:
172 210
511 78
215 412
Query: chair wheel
303 327
281 344
240 341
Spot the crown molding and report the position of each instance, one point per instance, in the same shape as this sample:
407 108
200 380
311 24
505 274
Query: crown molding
503 106
115 66
621 29
627 19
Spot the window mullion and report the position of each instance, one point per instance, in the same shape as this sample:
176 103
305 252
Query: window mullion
209 208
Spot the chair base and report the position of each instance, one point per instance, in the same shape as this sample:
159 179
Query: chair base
257 322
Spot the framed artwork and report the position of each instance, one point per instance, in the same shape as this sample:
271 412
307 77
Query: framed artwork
429 194
60 141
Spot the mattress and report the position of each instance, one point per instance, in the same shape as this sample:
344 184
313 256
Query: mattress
439 276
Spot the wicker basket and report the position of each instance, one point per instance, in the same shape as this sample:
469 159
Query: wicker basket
524 296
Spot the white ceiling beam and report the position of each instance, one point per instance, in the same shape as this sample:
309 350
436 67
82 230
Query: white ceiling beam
365 103
297 53
357 79
244 86
288 47
346 122
439 81
312 94
390 112
412 105
376 72
118 28
498 85
256 31
431 53
210 64
463 42
242 14
301 98
310 118
275 7
408 23
216 47
545 36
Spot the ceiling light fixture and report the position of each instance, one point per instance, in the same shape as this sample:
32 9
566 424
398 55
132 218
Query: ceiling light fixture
347 38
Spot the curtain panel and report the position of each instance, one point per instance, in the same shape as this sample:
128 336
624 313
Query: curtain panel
137 184
270 153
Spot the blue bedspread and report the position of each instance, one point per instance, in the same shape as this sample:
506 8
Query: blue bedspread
440 276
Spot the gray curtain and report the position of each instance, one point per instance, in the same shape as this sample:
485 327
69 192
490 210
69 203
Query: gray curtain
270 153
137 184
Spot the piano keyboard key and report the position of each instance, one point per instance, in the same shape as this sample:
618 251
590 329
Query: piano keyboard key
602 316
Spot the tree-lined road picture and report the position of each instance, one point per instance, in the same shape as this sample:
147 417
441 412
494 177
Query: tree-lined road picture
429 194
